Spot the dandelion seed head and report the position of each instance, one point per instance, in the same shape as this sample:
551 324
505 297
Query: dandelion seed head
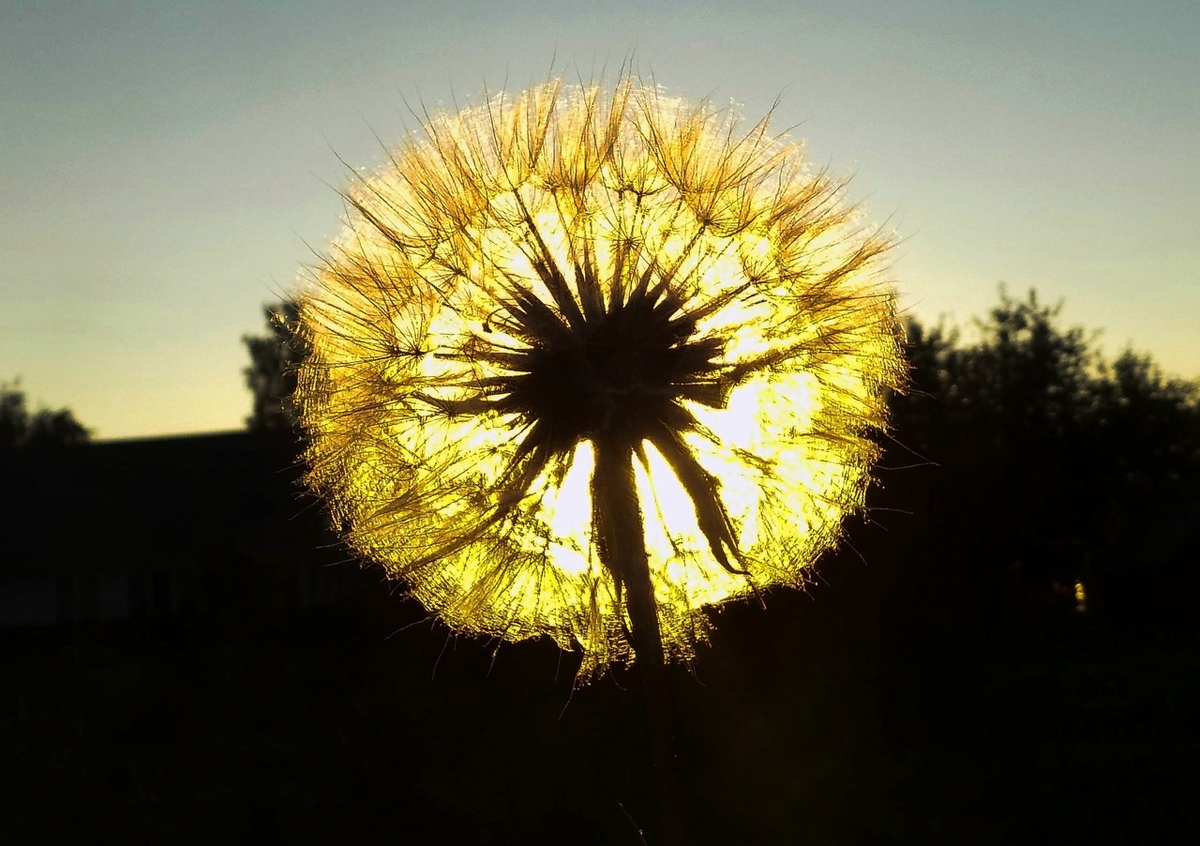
541 276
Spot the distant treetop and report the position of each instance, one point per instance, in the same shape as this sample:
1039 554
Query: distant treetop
271 375
41 430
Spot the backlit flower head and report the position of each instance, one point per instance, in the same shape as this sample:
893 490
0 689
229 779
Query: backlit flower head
582 345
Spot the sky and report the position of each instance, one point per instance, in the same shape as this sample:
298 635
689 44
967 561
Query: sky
168 168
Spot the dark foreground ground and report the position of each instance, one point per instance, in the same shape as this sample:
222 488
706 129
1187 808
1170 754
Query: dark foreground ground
795 728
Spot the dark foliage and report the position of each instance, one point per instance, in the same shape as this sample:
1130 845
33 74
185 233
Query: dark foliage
271 375
1037 464
43 429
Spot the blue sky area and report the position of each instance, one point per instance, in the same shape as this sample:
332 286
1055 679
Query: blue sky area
166 167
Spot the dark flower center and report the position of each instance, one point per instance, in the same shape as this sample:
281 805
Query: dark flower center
614 374
610 369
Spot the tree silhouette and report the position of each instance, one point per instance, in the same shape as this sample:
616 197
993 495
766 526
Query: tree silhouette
1148 428
1049 462
271 375
41 430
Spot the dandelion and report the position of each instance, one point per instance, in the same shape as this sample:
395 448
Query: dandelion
586 362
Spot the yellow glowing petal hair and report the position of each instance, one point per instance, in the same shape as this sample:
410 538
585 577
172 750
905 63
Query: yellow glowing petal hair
542 281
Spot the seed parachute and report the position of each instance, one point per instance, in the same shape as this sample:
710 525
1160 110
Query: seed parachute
587 361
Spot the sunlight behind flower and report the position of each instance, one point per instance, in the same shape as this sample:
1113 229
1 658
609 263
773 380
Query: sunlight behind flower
540 285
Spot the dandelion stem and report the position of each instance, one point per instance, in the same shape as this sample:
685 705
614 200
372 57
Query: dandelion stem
618 521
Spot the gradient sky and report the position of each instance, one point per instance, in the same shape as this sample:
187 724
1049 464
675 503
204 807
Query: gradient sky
166 167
